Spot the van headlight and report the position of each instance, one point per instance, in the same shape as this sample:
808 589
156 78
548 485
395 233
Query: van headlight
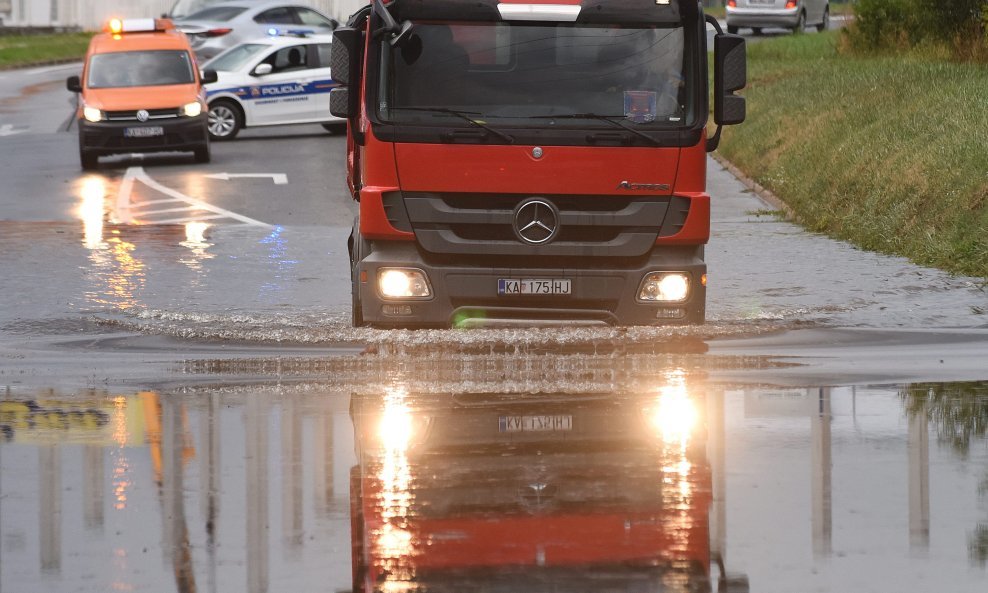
92 114
192 109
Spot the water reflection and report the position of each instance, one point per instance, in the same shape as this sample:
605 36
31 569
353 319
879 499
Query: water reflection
118 274
669 484
481 491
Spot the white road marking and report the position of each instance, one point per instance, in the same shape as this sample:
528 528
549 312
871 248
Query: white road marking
278 178
11 129
125 215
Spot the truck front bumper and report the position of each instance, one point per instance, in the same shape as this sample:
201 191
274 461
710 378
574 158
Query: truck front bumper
468 295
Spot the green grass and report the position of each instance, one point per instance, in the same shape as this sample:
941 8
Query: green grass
887 152
26 50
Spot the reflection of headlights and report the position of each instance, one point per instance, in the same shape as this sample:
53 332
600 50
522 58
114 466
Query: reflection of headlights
192 109
92 114
399 428
673 416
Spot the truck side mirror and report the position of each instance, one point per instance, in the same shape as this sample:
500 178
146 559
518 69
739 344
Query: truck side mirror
343 54
209 76
730 75
344 69
73 84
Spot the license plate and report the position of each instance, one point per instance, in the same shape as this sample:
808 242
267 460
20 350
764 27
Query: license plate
144 132
761 2
557 423
525 286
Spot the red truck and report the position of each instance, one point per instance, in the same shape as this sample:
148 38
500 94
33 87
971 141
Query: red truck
518 162
579 493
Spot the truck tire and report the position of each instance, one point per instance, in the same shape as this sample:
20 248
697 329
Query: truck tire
358 249
732 29
825 24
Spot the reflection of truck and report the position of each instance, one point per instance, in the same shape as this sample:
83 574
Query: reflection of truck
519 161
558 493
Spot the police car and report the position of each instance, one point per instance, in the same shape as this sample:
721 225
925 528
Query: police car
280 79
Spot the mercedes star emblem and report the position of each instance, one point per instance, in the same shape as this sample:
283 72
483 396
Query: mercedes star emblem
536 221
143 115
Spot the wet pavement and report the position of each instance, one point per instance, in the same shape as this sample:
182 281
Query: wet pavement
651 481
184 407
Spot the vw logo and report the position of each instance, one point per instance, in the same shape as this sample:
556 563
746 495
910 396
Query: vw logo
536 221
143 115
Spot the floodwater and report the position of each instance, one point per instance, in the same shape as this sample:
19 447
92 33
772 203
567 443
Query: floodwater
653 479
221 279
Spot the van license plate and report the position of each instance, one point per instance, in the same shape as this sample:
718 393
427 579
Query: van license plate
527 286
144 132
556 423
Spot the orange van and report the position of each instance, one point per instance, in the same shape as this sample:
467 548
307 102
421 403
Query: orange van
140 91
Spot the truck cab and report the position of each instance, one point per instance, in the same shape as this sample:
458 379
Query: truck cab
520 163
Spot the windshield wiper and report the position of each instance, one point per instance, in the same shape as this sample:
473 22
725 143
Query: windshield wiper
611 119
462 115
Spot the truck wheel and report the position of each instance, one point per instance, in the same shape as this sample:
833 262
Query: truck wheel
202 153
825 24
225 120
88 159
358 249
732 29
756 30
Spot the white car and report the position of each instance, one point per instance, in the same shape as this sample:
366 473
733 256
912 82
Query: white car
788 14
275 80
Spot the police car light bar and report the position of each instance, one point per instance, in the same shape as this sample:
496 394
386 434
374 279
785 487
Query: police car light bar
273 32
117 26
539 12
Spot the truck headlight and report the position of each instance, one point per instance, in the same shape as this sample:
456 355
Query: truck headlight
664 287
192 109
403 283
92 114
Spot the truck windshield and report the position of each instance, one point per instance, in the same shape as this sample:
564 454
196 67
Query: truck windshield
140 68
512 71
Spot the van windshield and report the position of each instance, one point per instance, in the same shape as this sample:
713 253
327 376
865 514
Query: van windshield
140 68
513 70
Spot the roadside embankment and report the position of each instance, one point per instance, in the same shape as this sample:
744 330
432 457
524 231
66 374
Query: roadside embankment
21 51
887 152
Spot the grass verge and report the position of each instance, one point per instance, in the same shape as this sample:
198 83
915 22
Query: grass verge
887 152
17 51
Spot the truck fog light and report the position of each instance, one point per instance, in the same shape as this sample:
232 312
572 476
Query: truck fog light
92 114
664 287
403 283
674 313
396 310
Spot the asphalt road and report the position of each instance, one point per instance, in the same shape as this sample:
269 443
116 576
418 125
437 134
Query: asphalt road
185 407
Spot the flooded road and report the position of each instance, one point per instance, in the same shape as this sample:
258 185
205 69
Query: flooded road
185 407
658 481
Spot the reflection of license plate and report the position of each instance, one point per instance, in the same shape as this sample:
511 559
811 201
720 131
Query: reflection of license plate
510 286
558 423
144 132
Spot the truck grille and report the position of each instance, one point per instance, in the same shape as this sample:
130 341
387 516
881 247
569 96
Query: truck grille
483 224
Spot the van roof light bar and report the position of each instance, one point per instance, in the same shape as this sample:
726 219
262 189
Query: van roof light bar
563 13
